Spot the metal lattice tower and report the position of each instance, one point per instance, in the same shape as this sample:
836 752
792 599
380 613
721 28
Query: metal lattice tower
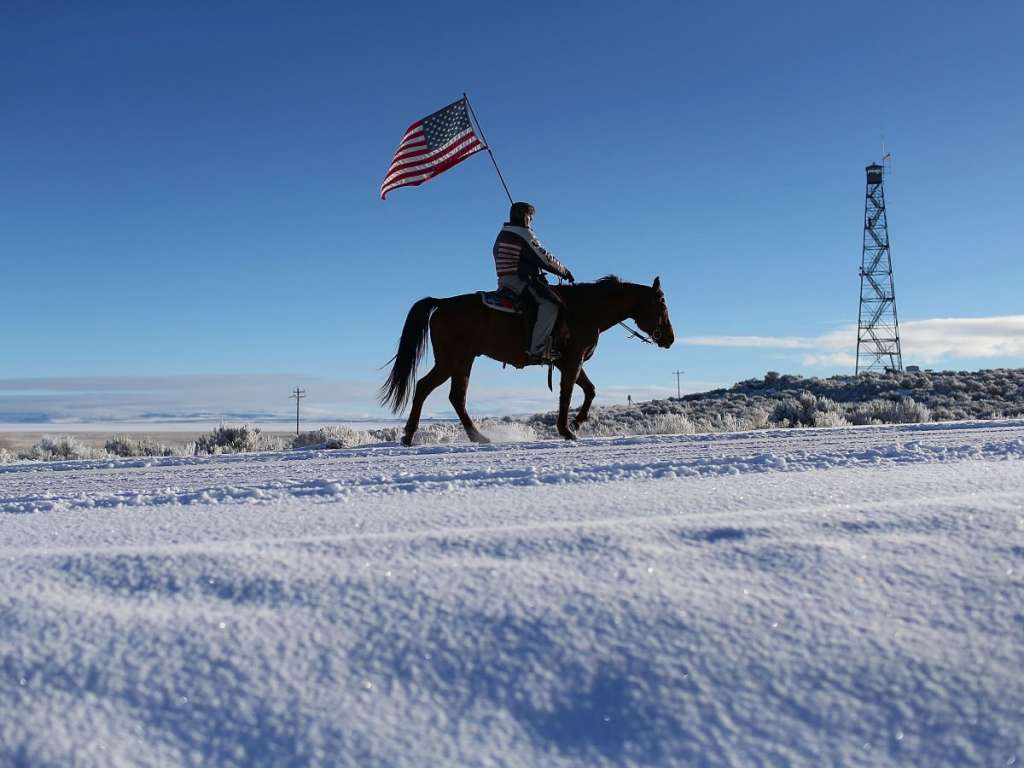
878 331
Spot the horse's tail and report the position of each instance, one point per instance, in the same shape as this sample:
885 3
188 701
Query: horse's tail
396 390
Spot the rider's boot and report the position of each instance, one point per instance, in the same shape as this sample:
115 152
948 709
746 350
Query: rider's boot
548 356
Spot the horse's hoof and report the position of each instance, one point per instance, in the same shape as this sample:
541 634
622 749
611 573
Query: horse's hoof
574 425
478 438
407 441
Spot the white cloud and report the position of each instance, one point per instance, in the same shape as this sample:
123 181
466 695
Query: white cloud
926 341
934 340
747 342
837 359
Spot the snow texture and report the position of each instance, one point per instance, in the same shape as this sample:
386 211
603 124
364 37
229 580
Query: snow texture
813 597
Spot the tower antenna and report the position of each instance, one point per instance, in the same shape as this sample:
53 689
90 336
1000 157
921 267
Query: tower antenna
878 330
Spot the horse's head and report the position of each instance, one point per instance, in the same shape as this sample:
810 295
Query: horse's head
652 316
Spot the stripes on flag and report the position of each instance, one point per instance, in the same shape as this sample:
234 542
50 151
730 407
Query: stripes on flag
431 146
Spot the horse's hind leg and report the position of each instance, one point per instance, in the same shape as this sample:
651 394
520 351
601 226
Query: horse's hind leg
584 383
457 396
434 378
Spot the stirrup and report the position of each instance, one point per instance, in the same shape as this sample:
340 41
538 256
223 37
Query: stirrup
547 357
540 360
550 354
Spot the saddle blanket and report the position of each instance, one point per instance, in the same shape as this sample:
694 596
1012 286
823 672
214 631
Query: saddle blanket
500 300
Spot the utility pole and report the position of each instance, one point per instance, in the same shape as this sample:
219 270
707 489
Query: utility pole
679 392
298 394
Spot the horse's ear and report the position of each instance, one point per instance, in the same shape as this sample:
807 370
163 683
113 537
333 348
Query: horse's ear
657 283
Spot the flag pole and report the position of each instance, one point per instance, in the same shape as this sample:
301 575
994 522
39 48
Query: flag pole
487 144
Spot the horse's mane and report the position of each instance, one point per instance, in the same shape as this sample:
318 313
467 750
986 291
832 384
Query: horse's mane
595 292
608 281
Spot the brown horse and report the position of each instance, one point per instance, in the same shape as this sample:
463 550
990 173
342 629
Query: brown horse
462 328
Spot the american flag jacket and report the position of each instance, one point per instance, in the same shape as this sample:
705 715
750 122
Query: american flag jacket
518 252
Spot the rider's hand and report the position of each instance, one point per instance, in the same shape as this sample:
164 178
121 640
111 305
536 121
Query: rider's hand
569 277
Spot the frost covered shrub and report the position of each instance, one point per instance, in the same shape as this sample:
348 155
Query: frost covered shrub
757 418
244 439
434 434
667 424
910 412
7 456
903 411
333 437
438 433
870 413
723 422
791 401
807 410
126 446
62 448
789 413
664 424
830 419
620 422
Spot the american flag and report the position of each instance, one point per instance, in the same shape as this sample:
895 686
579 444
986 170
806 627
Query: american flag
431 146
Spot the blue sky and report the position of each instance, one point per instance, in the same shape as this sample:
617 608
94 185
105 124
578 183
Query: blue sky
188 197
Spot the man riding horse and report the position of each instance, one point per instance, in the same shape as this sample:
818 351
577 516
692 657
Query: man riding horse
462 328
521 262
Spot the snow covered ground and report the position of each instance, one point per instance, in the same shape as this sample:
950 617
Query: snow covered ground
794 597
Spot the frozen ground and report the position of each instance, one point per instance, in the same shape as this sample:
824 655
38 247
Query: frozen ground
795 597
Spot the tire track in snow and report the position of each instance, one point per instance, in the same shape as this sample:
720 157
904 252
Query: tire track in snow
466 479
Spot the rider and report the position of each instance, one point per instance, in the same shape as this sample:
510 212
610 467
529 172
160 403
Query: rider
521 261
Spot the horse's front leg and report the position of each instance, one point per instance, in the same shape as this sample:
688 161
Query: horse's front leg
588 397
571 369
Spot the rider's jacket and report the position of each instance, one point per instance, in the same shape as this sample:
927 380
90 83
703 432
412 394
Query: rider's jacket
518 252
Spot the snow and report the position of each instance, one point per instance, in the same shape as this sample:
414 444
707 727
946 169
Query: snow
789 597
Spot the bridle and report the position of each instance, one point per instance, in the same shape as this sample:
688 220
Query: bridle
656 334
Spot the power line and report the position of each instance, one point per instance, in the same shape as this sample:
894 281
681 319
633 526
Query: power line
679 392
298 394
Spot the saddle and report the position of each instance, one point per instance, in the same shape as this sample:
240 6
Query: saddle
502 300
505 300
525 304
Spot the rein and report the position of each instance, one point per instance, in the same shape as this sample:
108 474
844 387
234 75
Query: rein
636 334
